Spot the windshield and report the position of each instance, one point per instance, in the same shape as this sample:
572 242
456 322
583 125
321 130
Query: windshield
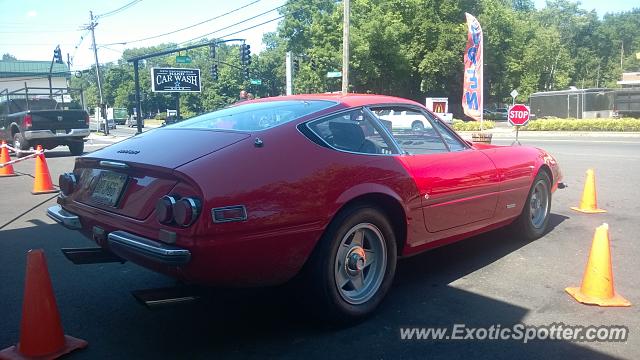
255 116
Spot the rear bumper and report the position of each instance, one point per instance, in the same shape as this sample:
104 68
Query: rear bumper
126 245
130 246
48 134
61 216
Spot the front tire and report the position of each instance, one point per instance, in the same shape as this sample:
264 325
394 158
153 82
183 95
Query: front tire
534 219
353 266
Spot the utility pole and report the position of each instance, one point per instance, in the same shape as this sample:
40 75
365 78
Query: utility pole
345 48
288 71
91 27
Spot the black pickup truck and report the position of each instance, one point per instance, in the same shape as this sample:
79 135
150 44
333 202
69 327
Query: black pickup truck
28 122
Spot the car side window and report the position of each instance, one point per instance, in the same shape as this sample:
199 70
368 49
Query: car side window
411 129
353 131
453 142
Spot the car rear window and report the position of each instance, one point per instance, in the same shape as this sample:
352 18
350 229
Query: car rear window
254 116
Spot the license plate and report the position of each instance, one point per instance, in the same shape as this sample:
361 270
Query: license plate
109 188
61 132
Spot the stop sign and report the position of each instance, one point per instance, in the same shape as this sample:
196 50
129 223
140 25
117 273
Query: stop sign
518 115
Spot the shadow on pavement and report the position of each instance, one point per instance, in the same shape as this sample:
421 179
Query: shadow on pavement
95 305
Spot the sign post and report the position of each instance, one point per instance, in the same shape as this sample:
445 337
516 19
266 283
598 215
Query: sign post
518 115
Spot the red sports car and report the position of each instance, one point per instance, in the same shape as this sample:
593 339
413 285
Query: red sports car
326 186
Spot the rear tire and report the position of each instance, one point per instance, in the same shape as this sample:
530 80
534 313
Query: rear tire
21 144
76 148
353 265
534 219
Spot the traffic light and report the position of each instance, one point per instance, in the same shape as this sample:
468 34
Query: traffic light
314 66
246 73
296 65
214 72
57 55
245 54
212 51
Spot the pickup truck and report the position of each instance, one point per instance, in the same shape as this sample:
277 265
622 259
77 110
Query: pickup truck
28 122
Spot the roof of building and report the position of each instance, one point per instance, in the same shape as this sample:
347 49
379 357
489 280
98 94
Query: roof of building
22 68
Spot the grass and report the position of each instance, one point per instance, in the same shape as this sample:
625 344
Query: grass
459 125
626 124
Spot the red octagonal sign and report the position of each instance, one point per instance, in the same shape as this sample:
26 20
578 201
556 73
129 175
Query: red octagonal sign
518 115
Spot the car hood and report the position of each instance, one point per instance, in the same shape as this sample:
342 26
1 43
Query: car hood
169 148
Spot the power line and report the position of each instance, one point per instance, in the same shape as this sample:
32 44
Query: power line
238 23
252 27
185 28
122 8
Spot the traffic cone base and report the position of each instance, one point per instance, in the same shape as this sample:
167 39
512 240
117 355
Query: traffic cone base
597 282
5 171
589 201
41 333
42 183
588 211
70 344
615 300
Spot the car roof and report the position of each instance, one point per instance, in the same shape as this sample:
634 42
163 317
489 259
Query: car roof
348 100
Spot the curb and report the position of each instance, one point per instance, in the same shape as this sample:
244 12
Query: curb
533 134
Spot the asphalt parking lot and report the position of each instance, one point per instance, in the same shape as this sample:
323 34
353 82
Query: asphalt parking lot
486 280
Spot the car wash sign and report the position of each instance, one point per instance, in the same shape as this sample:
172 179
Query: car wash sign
175 80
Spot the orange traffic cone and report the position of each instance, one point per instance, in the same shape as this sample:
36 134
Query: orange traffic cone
5 158
589 202
41 334
597 283
42 179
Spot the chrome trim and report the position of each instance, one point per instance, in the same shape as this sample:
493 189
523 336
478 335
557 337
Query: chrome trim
43 134
194 211
235 207
113 164
127 245
63 217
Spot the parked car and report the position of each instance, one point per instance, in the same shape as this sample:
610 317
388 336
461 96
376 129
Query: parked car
316 187
96 125
500 114
132 121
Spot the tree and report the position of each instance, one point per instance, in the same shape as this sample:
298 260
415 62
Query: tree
8 57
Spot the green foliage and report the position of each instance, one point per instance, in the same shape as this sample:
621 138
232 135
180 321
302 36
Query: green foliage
406 48
459 125
627 124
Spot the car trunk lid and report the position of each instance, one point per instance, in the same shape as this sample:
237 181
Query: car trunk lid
127 178
168 148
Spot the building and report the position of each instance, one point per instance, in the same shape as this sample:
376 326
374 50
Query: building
15 73
630 80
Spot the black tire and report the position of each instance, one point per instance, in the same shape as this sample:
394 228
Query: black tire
527 225
323 265
76 148
21 144
417 126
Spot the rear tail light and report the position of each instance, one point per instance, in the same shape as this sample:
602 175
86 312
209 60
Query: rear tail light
164 209
67 182
182 212
86 118
186 211
27 122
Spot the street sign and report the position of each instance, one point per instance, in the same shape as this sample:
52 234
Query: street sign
175 80
334 74
514 93
256 82
518 115
183 59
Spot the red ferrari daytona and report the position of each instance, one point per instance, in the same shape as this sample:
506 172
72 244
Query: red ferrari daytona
333 188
